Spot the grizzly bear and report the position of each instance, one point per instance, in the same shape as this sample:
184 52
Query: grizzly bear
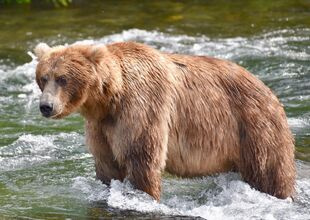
147 111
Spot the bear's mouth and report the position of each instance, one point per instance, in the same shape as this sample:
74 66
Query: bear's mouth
60 114
51 115
56 116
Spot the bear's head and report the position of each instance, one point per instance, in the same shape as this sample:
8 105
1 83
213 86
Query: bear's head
67 77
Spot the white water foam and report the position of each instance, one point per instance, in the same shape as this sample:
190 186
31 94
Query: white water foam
298 122
273 44
300 125
270 44
33 150
230 198
25 86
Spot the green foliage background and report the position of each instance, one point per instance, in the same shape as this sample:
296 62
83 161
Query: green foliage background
55 3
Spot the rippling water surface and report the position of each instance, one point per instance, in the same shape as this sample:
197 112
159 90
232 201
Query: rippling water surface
47 172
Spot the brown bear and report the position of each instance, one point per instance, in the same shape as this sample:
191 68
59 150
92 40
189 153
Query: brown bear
147 111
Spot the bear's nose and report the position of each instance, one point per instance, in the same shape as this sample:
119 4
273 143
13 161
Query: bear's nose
46 109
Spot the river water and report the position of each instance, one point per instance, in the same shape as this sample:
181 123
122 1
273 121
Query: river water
46 171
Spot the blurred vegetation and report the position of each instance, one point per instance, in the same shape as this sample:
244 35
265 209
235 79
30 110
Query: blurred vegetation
53 3
15 1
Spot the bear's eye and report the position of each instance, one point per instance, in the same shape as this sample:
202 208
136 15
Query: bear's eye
61 80
44 80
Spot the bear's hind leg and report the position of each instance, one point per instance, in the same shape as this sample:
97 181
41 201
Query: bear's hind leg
267 159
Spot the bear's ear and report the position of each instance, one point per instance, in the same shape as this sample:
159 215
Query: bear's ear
95 53
41 49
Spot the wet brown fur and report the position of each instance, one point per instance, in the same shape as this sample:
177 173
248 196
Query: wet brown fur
147 111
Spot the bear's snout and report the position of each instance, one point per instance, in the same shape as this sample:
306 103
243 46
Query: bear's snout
46 109
49 104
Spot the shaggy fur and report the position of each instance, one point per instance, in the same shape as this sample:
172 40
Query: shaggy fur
147 111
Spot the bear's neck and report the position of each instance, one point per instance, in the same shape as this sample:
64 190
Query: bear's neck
104 96
98 109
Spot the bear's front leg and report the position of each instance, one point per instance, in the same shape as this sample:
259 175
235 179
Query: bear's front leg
107 168
145 177
144 160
